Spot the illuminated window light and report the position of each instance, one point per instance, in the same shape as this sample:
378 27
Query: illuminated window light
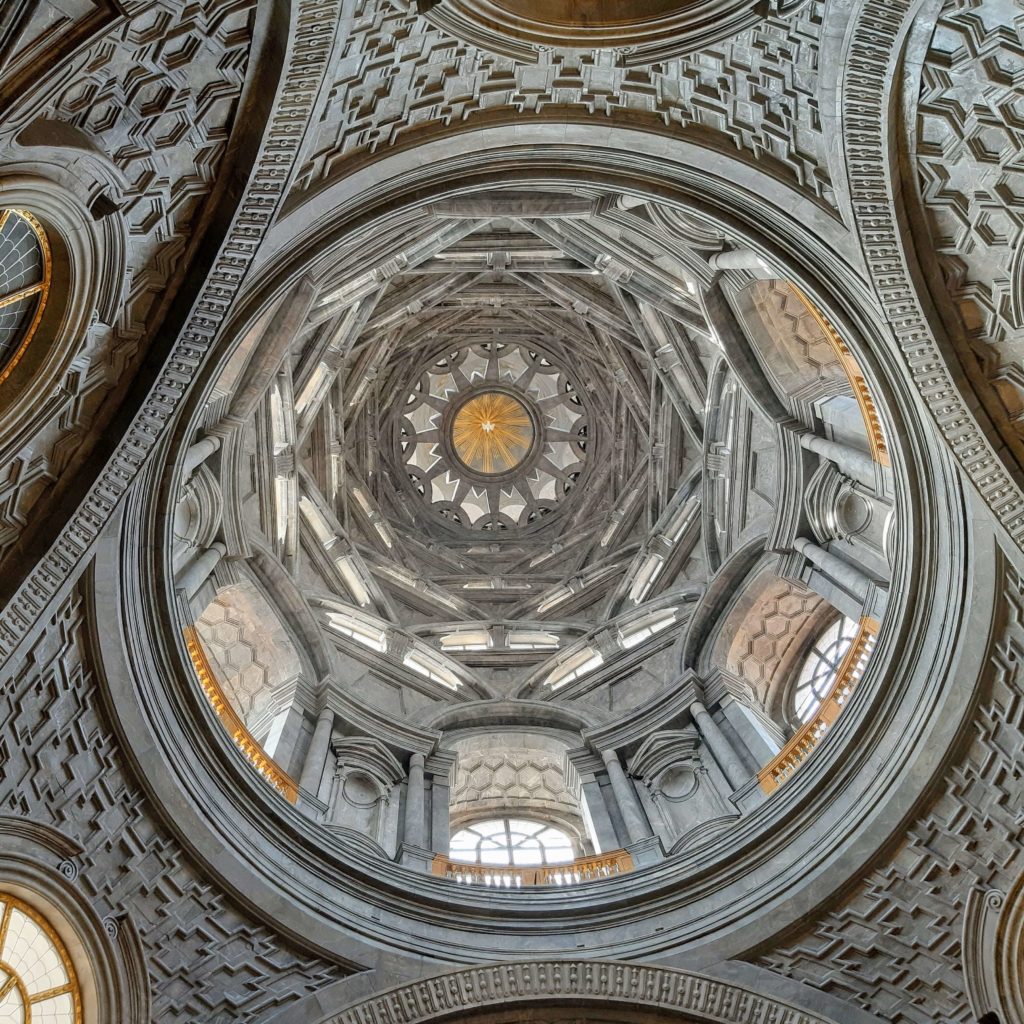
421 662
468 640
641 629
574 667
353 580
368 633
531 640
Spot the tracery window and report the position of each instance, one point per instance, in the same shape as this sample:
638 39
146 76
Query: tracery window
24 284
821 664
37 980
511 842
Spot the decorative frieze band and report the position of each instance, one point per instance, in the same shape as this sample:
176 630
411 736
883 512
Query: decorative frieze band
568 981
873 59
305 66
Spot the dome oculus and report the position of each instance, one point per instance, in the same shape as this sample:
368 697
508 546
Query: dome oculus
493 436
492 433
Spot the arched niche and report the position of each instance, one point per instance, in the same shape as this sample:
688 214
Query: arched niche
798 357
261 669
515 773
88 277
39 870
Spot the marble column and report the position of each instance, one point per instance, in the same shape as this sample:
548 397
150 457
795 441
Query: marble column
316 756
632 813
736 259
415 820
853 463
847 576
718 743
198 453
197 572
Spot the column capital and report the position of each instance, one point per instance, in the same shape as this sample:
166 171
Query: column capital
610 755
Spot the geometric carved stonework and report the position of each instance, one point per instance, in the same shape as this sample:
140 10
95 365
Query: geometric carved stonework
207 960
448 81
969 159
895 946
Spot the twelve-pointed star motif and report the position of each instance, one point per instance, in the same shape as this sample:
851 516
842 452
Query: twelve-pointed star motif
492 433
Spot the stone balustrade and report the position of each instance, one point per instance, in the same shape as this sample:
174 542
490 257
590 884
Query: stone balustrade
809 735
584 869
236 728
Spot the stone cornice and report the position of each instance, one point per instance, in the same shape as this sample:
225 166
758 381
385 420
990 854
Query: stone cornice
665 709
289 110
568 983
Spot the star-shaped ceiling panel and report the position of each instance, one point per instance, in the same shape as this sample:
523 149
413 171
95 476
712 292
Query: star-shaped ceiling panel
494 436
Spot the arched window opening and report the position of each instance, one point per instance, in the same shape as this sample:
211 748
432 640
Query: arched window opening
511 842
37 979
25 269
821 665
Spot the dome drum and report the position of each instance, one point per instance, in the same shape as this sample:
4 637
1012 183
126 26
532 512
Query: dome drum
716 705
494 484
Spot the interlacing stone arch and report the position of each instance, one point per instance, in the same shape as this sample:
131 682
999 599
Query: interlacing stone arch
560 983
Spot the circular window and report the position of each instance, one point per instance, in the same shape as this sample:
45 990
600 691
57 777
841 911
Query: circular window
37 980
24 284
492 433
511 842
818 672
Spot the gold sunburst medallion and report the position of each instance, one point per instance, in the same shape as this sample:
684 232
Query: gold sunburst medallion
492 433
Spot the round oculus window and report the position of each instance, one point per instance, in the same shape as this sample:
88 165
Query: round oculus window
492 433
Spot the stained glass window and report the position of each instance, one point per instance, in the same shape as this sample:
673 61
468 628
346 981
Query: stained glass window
511 842
24 283
818 672
37 981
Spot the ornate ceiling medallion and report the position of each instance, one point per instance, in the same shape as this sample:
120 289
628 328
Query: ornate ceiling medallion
492 433
494 436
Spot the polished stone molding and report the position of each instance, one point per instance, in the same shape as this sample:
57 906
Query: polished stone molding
572 982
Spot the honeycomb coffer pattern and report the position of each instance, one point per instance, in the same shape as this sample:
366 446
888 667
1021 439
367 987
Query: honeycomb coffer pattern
207 961
894 947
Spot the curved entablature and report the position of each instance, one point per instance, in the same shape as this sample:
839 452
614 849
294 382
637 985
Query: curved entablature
396 436
635 33
665 762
